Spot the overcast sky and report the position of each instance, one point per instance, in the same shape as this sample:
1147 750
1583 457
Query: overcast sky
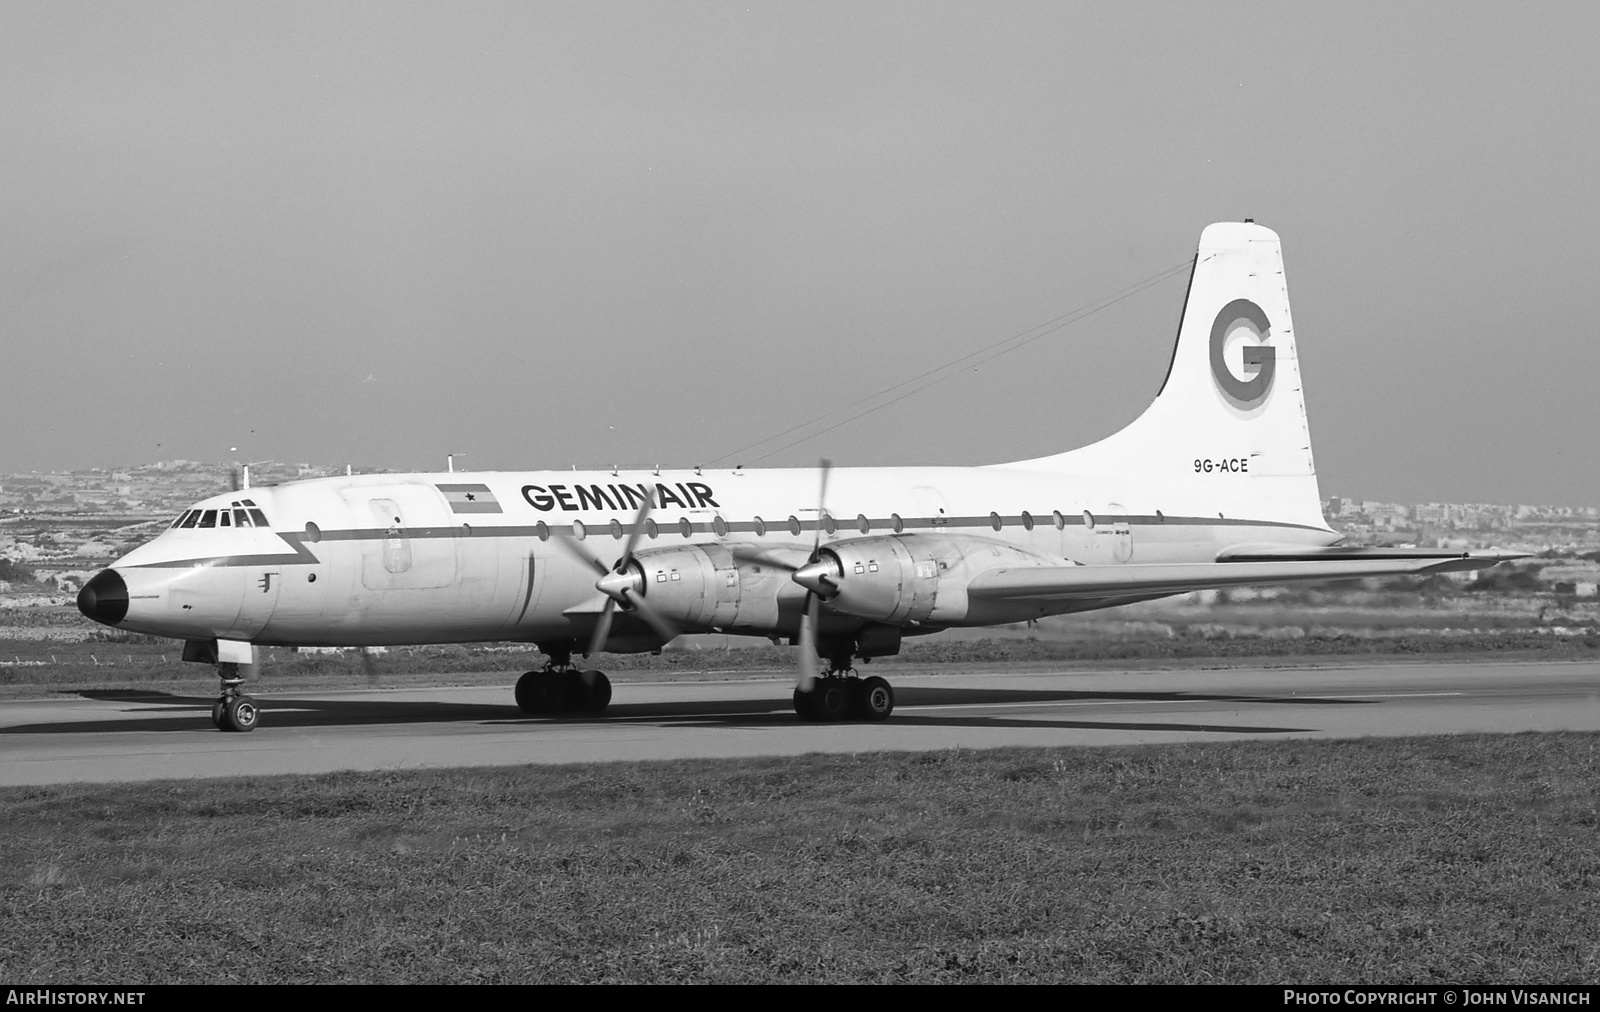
544 234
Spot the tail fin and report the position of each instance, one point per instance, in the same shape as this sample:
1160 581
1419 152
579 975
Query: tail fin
1232 398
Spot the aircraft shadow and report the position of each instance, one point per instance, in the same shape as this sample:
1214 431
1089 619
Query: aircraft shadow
193 712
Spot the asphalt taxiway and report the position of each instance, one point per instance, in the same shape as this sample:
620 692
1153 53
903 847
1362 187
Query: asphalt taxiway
125 736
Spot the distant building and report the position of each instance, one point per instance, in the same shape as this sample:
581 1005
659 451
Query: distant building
1436 513
1386 514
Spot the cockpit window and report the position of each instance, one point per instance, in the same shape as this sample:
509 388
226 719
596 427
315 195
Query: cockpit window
246 514
181 518
238 516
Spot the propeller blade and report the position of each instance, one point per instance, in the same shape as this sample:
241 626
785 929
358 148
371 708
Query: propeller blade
822 501
659 622
602 629
369 663
570 546
807 670
638 531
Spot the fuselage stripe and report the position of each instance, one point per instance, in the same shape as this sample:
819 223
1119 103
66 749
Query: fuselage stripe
670 533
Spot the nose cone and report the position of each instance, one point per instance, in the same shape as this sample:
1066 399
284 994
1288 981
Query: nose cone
105 598
617 585
818 577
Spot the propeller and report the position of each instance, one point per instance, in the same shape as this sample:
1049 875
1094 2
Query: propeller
369 664
620 586
811 577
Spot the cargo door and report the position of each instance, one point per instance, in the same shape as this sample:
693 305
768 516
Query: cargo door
1121 533
407 536
1108 536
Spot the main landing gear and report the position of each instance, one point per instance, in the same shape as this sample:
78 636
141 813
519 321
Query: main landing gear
839 694
233 710
563 689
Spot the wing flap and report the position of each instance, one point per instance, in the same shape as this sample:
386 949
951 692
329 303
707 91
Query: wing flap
1089 582
1267 552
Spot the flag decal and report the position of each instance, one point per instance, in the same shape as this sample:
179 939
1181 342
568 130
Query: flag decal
470 498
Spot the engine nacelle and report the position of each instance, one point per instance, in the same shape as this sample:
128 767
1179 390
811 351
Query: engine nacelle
892 580
908 579
705 587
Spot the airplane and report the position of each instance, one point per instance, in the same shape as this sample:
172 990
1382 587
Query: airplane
1212 486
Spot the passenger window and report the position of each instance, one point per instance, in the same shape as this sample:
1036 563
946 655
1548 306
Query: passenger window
578 530
863 524
1027 520
685 527
1088 519
761 527
1059 520
650 528
541 530
313 532
616 528
208 518
994 521
794 525
720 526
898 524
827 523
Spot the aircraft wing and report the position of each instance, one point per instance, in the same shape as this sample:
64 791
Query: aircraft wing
1236 568
779 556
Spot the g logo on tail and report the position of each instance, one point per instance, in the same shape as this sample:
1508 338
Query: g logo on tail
1246 393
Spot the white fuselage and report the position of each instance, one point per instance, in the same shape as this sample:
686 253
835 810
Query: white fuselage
389 558
1220 462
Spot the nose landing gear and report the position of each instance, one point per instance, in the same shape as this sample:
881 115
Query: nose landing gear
233 710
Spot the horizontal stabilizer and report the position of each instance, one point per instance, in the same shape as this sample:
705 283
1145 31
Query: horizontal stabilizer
1055 583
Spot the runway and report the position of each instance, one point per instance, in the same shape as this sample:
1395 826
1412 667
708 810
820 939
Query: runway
128 736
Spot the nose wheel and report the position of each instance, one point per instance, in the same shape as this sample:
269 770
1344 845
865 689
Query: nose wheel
235 713
233 710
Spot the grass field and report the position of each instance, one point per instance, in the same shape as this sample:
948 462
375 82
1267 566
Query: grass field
1461 859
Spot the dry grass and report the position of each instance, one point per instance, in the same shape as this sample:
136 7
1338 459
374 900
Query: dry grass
1457 859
